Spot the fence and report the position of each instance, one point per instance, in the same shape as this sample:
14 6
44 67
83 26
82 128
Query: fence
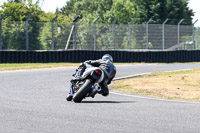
54 36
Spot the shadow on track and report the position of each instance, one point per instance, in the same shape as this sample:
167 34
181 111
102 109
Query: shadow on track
108 102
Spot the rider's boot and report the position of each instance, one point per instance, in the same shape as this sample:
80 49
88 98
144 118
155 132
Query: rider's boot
104 89
93 94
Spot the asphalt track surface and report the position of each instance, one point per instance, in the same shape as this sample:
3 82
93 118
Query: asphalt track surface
33 101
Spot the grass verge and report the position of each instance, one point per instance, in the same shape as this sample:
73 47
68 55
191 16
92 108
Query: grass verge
182 85
24 66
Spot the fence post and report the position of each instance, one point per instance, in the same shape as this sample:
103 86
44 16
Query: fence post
27 41
74 36
74 31
1 29
163 33
113 32
147 33
178 40
94 30
52 31
193 35
130 31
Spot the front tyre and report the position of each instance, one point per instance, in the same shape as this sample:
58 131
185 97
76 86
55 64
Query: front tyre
82 92
69 98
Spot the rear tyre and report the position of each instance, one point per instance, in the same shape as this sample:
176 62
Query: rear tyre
82 92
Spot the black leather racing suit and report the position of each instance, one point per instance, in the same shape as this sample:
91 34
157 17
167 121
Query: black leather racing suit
109 72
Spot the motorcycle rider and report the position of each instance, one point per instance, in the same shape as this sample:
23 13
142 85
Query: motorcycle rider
106 64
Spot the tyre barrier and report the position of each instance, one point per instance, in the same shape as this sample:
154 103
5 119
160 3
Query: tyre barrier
76 56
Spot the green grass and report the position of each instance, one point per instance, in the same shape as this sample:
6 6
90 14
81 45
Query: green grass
21 66
26 66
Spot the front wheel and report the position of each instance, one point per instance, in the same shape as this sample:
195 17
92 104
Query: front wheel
69 98
82 92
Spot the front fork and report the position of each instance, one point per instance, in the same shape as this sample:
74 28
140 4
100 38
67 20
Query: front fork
71 92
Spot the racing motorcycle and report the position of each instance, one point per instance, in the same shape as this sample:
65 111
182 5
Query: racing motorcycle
87 84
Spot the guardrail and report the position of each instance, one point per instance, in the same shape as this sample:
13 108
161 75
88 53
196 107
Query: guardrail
82 55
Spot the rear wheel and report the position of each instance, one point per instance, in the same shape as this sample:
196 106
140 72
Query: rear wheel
82 92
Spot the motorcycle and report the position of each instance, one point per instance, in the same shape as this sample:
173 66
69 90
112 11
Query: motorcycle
87 85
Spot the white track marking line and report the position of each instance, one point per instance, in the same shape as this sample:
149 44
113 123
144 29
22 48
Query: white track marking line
137 75
150 98
131 76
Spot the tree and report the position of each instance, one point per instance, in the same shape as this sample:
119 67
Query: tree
90 10
14 26
125 10
62 23
159 10
20 11
122 9
108 10
178 10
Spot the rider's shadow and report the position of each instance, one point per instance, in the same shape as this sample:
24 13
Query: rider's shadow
108 102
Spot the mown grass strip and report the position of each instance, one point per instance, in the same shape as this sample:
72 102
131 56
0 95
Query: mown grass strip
22 66
25 66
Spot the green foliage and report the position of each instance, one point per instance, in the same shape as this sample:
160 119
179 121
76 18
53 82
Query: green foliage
124 10
60 36
178 9
159 10
20 11
45 35
13 35
40 34
89 9
14 27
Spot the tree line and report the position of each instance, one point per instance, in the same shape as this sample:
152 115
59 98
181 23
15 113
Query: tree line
17 11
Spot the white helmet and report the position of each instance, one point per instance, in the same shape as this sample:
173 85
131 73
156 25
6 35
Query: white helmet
107 57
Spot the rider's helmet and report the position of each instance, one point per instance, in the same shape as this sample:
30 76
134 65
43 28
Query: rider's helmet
107 57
